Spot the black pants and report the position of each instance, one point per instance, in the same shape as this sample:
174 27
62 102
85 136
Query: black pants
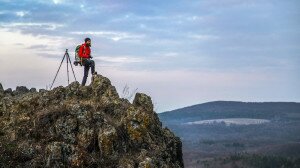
87 63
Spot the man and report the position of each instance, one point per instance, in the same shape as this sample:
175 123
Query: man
85 55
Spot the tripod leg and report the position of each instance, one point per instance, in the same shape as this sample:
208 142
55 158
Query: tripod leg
71 67
68 70
57 71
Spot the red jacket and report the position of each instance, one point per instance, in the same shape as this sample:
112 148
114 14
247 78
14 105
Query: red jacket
84 51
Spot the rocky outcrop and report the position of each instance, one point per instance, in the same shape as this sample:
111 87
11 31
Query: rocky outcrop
83 126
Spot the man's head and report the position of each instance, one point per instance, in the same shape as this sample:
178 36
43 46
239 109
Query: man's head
87 41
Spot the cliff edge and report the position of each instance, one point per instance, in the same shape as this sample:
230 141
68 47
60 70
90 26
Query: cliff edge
83 126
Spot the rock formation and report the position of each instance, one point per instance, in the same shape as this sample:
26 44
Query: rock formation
83 126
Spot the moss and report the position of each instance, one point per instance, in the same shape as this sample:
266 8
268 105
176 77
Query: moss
107 140
10 146
106 146
137 123
8 153
134 133
147 165
144 101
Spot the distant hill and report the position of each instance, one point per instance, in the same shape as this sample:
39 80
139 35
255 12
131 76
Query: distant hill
233 109
231 133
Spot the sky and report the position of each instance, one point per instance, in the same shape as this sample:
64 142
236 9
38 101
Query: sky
178 52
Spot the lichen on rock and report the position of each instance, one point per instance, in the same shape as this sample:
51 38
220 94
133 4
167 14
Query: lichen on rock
83 126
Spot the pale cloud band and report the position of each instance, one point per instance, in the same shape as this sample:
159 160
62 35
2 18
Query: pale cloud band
115 36
47 26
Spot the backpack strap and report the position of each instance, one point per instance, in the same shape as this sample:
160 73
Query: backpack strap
83 52
83 49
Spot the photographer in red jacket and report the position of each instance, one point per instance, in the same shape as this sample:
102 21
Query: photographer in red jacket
85 54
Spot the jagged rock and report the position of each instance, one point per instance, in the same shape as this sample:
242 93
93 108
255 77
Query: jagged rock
143 101
8 91
32 90
42 90
60 154
20 90
146 163
108 140
83 126
86 137
65 128
1 91
1 88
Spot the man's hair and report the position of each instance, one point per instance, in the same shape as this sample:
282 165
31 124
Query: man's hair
87 39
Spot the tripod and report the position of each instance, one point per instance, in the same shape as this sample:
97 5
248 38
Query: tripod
68 62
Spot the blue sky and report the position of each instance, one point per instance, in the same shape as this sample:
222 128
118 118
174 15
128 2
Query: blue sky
179 52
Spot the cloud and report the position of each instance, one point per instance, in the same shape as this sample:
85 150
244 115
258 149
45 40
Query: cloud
4 12
57 1
115 36
38 46
137 18
41 45
171 54
120 62
203 37
27 25
120 59
22 13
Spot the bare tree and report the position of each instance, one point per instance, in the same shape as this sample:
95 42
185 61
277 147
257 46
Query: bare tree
128 94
